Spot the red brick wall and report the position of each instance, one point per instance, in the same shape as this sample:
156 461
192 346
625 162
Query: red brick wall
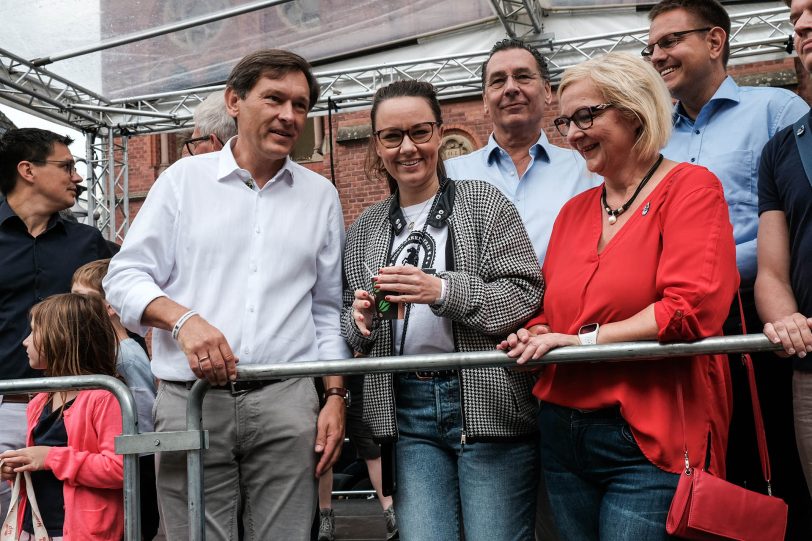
464 116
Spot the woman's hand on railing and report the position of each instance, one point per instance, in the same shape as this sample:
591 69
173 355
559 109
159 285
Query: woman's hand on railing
793 332
522 336
524 346
363 311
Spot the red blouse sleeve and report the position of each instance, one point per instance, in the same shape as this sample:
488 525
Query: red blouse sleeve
697 276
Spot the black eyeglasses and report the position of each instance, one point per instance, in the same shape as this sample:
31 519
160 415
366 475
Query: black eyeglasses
68 165
499 80
191 144
670 40
583 118
419 133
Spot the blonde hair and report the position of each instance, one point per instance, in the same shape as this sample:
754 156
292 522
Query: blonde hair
635 89
91 275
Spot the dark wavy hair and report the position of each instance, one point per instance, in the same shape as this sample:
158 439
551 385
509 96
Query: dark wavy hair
373 165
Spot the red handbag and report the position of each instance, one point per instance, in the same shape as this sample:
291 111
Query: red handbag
708 508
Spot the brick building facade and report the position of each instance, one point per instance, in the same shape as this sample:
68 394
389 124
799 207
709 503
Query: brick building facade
467 127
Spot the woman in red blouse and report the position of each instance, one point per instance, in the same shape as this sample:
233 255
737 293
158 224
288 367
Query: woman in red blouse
649 255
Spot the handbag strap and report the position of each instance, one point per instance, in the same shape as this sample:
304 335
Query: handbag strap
761 436
11 525
804 142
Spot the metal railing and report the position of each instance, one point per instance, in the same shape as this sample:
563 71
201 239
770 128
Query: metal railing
129 428
408 363
194 439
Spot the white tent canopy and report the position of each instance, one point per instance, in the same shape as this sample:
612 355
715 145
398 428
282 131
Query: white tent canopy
115 68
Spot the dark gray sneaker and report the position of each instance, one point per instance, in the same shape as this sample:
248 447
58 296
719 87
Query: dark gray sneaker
327 525
391 524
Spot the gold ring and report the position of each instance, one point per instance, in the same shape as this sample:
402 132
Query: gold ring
201 359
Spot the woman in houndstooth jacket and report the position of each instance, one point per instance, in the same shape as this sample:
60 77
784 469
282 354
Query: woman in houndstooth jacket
456 259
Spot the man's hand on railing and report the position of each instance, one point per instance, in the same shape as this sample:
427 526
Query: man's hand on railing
207 351
793 332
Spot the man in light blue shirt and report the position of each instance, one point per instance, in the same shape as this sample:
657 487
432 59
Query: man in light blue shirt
519 160
717 124
722 126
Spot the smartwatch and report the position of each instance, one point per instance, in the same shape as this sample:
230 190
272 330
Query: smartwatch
588 334
343 392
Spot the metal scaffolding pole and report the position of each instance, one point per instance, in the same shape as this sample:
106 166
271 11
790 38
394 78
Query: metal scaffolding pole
159 31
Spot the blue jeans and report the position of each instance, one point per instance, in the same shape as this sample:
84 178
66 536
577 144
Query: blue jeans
487 488
601 486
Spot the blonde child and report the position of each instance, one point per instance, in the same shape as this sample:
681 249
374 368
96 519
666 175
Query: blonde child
132 362
133 366
75 472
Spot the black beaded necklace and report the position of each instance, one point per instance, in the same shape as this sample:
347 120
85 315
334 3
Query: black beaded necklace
613 214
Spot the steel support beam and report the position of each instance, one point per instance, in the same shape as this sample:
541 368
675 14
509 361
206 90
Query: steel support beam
752 34
159 31
33 88
46 94
521 18
108 200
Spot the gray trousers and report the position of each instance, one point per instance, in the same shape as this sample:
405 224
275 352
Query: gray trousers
259 467
12 436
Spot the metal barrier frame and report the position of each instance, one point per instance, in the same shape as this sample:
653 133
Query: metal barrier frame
194 439
129 427
364 365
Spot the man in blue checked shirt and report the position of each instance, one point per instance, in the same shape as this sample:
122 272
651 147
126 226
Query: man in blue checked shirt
722 126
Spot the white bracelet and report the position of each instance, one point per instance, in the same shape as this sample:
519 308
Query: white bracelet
179 323
441 299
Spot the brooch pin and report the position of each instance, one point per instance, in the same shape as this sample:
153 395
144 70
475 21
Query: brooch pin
645 209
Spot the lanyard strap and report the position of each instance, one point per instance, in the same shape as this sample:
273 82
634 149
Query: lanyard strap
408 308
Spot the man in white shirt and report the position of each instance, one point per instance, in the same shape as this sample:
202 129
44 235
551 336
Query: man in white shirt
237 254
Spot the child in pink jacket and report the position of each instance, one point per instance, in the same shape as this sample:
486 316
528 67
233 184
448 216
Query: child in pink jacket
70 433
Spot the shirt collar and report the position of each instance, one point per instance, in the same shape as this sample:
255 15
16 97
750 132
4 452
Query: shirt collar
727 91
538 150
227 166
7 213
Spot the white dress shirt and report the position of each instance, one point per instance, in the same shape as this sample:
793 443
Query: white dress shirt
263 266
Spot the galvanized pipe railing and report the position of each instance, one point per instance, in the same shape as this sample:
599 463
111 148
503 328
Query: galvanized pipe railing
408 363
129 426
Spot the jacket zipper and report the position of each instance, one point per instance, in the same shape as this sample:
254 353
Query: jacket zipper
450 267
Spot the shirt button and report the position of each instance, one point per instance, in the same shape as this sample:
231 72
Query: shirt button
257 230
697 132
246 350
251 309
693 160
253 267
678 313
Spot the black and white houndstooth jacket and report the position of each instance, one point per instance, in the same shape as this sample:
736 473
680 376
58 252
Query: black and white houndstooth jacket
494 285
